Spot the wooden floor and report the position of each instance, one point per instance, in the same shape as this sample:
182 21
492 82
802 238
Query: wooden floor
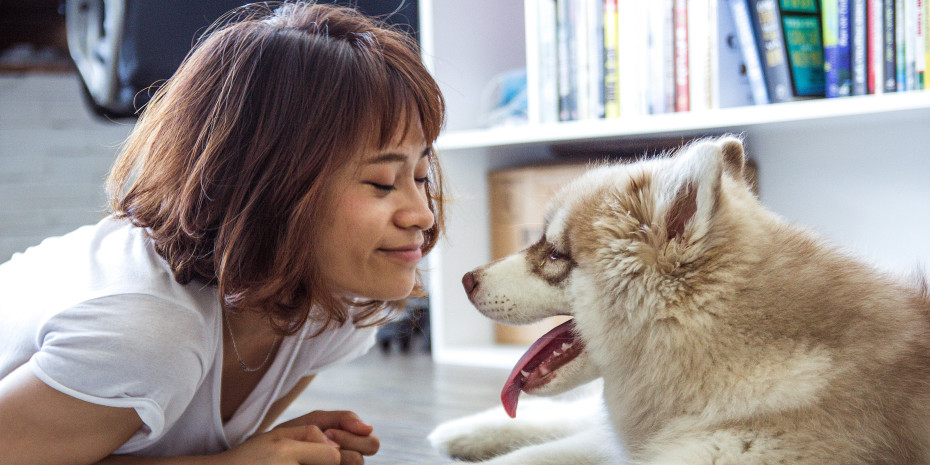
404 397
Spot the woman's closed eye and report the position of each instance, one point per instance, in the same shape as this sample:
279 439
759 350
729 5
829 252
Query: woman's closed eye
382 187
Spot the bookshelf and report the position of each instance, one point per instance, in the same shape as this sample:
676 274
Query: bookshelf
856 169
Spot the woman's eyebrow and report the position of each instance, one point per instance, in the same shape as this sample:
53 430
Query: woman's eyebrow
391 157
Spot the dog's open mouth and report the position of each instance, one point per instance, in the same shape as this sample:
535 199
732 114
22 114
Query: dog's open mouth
540 363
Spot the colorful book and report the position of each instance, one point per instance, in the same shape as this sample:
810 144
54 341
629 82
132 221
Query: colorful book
801 31
925 27
858 46
832 64
920 57
900 26
742 22
875 52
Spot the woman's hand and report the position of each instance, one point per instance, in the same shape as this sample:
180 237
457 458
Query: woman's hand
286 445
353 436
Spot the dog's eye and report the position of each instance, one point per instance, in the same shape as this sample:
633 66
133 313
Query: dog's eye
555 255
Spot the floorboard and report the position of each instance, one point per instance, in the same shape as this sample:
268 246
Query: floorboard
404 396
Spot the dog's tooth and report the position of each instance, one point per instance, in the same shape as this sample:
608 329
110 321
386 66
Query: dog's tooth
557 353
524 374
565 346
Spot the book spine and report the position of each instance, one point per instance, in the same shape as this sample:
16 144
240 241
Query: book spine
730 86
743 23
910 46
900 26
611 63
567 108
920 31
596 57
844 48
698 55
668 55
681 56
581 50
633 27
925 23
547 57
890 47
875 56
802 32
857 46
831 29
770 38
926 35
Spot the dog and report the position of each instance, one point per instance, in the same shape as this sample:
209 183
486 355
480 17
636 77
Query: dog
721 333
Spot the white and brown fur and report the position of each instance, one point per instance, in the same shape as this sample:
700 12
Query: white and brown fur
723 334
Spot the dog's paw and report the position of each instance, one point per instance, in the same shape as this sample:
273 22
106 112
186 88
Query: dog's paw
478 437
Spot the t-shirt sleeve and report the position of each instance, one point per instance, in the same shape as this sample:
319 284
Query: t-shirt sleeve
133 351
342 345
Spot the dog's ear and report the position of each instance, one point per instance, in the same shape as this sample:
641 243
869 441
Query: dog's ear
692 185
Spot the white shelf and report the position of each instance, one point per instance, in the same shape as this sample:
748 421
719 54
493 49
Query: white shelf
740 118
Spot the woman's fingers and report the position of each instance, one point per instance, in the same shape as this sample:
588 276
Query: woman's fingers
366 445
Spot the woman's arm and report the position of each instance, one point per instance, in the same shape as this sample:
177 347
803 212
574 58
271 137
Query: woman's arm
40 425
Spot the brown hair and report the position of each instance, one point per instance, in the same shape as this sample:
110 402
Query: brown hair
229 162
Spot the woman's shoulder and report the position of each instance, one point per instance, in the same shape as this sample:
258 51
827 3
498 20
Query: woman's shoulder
110 261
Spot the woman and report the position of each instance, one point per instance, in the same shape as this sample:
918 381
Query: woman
268 210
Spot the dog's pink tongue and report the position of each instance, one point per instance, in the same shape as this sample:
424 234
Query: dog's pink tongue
539 352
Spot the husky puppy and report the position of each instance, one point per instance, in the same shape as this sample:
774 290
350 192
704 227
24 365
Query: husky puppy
722 334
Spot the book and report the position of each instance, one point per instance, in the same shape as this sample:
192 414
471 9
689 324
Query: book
730 85
766 22
661 55
742 23
858 46
541 61
920 57
568 109
611 61
699 44
890 54
633 29
875 50
680 18
594 10
910 45
925 23
900 26
801 32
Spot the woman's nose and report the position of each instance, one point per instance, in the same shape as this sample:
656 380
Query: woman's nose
416 212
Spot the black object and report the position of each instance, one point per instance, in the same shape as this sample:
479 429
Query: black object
125 49
410 327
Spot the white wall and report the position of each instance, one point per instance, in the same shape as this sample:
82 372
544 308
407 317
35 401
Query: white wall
862 182
54 157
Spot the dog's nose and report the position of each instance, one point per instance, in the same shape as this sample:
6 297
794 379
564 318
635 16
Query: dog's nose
469 282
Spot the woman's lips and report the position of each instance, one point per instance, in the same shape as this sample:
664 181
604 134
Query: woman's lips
409 254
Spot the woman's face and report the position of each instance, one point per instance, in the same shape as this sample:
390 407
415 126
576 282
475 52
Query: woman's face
373 228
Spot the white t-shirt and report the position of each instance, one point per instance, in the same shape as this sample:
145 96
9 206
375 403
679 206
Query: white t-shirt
97 314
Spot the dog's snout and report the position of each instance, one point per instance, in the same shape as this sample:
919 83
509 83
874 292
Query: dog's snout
469 282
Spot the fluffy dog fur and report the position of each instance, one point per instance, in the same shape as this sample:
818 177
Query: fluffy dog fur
723 335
